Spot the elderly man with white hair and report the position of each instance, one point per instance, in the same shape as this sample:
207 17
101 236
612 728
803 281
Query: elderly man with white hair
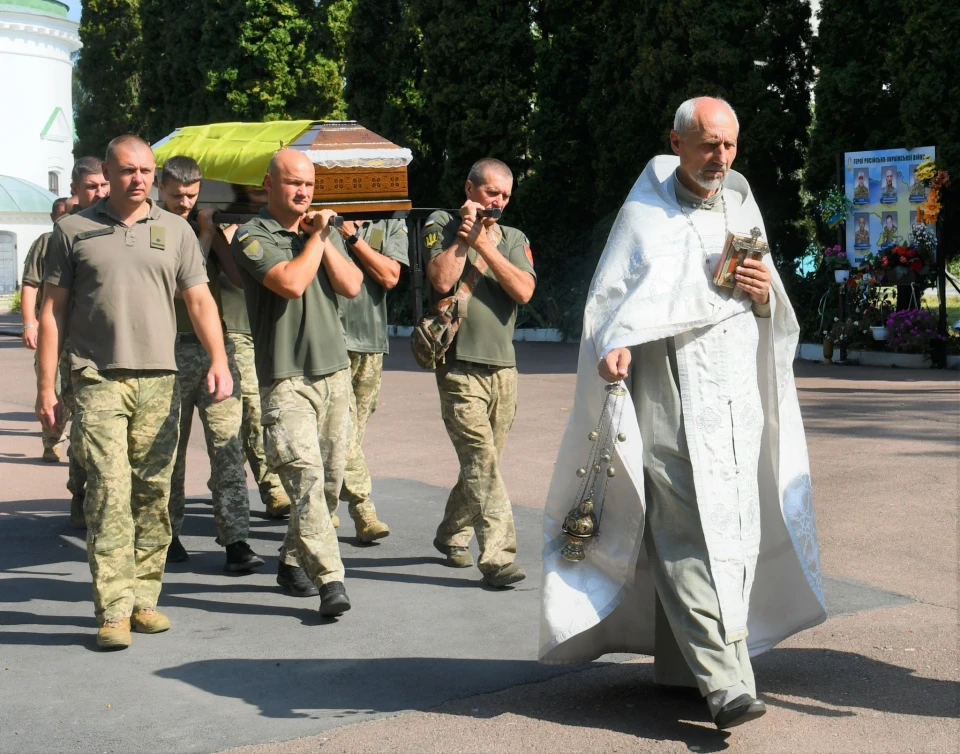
706 548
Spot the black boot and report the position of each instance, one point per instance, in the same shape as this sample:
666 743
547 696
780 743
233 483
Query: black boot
295 581
176 553
241 558
333 599
741 710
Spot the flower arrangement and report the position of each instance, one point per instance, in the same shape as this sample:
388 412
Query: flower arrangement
834 207
912 331
893 264
935 180
843 332
834 258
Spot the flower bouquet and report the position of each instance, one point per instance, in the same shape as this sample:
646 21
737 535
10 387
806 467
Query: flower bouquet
834 207
935 180
899 265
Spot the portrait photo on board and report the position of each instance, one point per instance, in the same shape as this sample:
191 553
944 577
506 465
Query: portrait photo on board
888 185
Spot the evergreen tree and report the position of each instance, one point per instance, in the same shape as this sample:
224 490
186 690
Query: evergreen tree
108 74
855 105
477 84
267 60
383 72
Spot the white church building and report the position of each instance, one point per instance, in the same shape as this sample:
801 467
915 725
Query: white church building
37 40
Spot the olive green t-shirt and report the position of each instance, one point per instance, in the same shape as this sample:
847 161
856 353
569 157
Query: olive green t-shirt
122 282
234 303
291 337
35 263
364 318
486 333
184 323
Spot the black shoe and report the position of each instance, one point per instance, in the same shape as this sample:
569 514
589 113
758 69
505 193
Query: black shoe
295 581
333 599
504 576
241 558
176 552
741 710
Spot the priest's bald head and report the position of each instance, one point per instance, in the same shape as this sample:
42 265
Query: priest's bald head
704 135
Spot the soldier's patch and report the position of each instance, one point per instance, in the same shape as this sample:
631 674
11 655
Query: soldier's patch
376 239
243 235
404 225
253 250
527 250
431 238
158 237
427 224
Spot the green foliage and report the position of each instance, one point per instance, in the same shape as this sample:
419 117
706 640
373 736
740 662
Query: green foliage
266 60
477 85
16 303
108 74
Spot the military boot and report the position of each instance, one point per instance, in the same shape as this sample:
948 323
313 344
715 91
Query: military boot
114 633
176 552
457 557
370 528
77 521
295 581
277 504
240 557
51 455
504 576
333 599
148 620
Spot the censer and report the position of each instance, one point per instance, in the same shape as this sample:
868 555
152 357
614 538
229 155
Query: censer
582 523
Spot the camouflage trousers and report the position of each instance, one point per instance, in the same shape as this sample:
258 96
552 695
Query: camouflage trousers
250 432
221 430
478 404
77 476
127 423
306 426
55 435
366 370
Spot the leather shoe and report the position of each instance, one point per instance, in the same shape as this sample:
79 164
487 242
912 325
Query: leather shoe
741 710
333 599
295 581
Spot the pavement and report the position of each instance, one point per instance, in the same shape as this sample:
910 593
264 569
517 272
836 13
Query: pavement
431 661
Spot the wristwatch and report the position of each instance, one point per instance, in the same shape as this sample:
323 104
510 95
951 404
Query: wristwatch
351 240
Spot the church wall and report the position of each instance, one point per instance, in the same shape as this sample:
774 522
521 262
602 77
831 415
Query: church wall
36 75
26 227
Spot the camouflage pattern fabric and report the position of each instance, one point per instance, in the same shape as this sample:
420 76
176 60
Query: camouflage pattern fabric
127 424
251 433
77 475
366 370
306 433
478 404
221 430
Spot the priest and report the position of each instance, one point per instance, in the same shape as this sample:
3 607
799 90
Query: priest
706 549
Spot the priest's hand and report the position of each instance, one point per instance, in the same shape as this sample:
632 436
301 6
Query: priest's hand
613 366
753 277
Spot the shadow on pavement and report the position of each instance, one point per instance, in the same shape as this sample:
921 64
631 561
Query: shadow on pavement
532 358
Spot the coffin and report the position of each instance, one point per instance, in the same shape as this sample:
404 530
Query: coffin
359 174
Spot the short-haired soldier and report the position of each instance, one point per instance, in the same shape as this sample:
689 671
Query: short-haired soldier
110 281
179 190
291 276
478 381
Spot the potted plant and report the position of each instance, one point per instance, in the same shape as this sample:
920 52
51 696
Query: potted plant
834 258
873 310
843 333
913 331
907 263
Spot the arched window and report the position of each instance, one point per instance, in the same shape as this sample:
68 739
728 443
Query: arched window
8 262
53 183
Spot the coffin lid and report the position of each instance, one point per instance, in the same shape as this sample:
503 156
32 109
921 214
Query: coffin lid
240 152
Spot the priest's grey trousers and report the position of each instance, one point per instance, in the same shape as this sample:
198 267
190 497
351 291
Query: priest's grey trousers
690 650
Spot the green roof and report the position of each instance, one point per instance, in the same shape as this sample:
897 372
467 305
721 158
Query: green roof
46 7
18 195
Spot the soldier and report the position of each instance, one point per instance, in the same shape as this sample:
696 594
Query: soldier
110 280
179 188
88 186
31 281
237 324
378 248
478 380
291 277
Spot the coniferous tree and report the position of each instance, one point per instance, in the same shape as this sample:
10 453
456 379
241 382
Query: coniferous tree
108 74
383 72
265 60
477 84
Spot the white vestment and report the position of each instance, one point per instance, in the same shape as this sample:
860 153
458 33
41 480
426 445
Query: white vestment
652 283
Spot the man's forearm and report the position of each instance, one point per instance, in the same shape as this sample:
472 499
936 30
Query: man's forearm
345 277
518 284
48 348
206 322
28 305
445 269
384 270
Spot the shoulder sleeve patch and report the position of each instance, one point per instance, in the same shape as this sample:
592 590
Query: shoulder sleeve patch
242 235
527 250
252 249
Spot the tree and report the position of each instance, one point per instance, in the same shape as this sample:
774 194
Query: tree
268 60
383 72
477 84
108 74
